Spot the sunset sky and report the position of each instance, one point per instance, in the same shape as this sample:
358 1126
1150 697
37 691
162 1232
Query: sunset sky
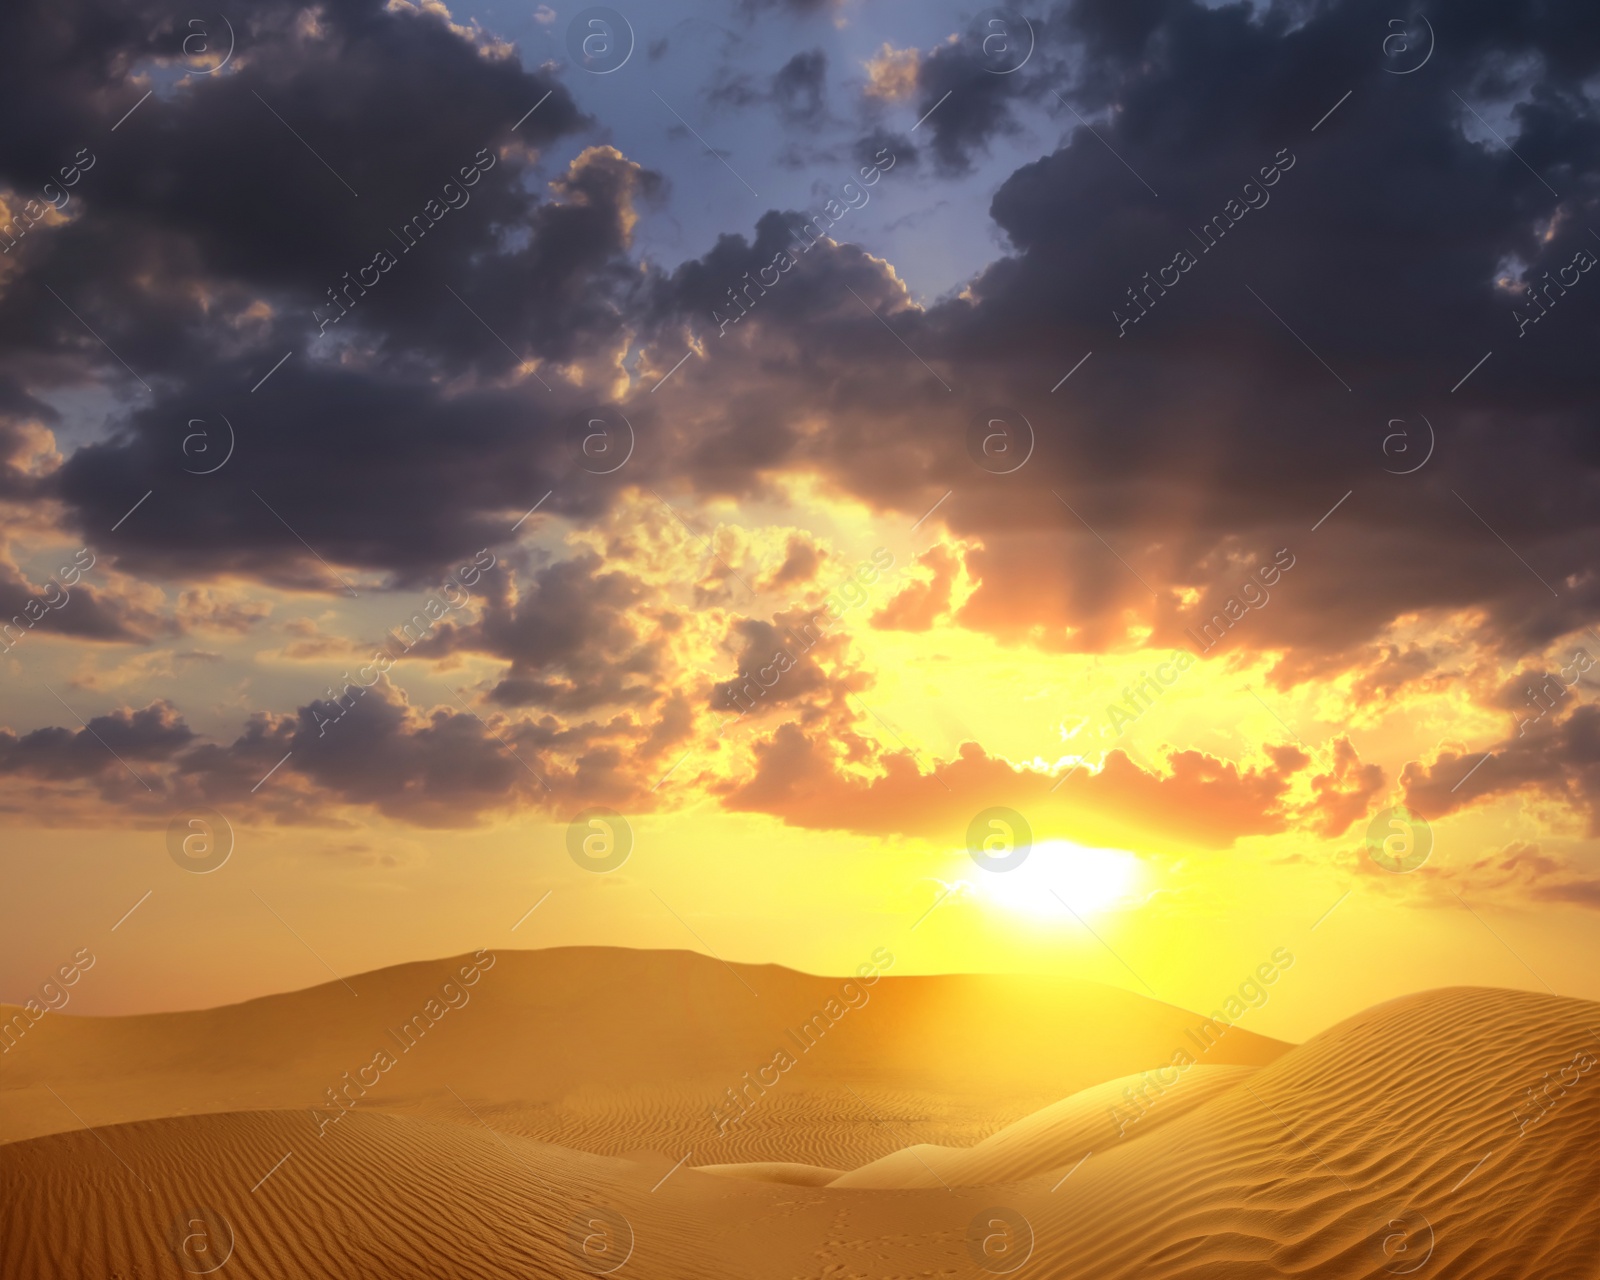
830 423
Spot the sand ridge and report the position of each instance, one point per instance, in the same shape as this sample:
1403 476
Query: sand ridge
1060 1135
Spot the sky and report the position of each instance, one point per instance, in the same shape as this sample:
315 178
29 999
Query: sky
1097 488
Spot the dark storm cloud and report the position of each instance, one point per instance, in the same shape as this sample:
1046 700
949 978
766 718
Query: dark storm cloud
566 637
868 150
376 462
1559 759
437 768
443 766
388 472
65 606
155 733
1203 437
373 751
206 189
800 86
789 650
965 104
206 242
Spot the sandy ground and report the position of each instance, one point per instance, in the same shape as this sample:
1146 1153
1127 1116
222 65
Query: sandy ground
559 1123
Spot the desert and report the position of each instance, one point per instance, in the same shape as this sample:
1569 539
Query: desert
747 718
567 1120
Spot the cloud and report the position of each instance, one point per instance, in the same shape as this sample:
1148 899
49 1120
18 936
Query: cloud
1198 799
220 609
572 637
1175 452
800 661
800 564
799 88
1556 758
181 224
920 604
1520 870
965 104
206 242
892 73
67 605
1216 415
27 447
1201 440
109 752
1345 792
372 751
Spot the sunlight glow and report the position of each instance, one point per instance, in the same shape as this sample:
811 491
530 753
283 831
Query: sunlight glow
1089 880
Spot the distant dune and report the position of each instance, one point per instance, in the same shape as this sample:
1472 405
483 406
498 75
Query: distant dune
1450 1134
612 1051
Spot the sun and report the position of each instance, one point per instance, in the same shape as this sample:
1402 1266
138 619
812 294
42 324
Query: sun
1058 874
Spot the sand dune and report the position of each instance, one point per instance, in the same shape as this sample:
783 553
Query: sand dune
612 1051
1406 1114
797 1175
1057 1137
1401 1116
1452 1134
